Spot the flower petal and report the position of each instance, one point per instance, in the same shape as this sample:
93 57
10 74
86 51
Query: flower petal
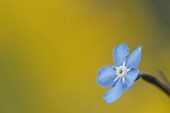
120 52
130 78
114 93
106 76
134 58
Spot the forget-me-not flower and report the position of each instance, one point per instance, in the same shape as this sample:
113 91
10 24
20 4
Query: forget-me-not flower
121 76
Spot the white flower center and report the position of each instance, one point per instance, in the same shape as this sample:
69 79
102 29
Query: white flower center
121 71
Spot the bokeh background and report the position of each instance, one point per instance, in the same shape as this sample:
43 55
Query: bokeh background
51 50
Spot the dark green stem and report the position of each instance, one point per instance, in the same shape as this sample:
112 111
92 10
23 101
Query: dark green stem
153 80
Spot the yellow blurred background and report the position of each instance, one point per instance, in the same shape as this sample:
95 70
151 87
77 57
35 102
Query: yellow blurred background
51 50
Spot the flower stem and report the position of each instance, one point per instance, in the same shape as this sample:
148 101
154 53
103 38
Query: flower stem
153 80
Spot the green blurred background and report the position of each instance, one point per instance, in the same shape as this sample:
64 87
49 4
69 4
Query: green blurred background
51 50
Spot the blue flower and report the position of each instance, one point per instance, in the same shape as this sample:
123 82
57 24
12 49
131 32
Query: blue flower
121 76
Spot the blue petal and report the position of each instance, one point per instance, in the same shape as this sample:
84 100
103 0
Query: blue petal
106 76
134 58
120 52
114 93
130 78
